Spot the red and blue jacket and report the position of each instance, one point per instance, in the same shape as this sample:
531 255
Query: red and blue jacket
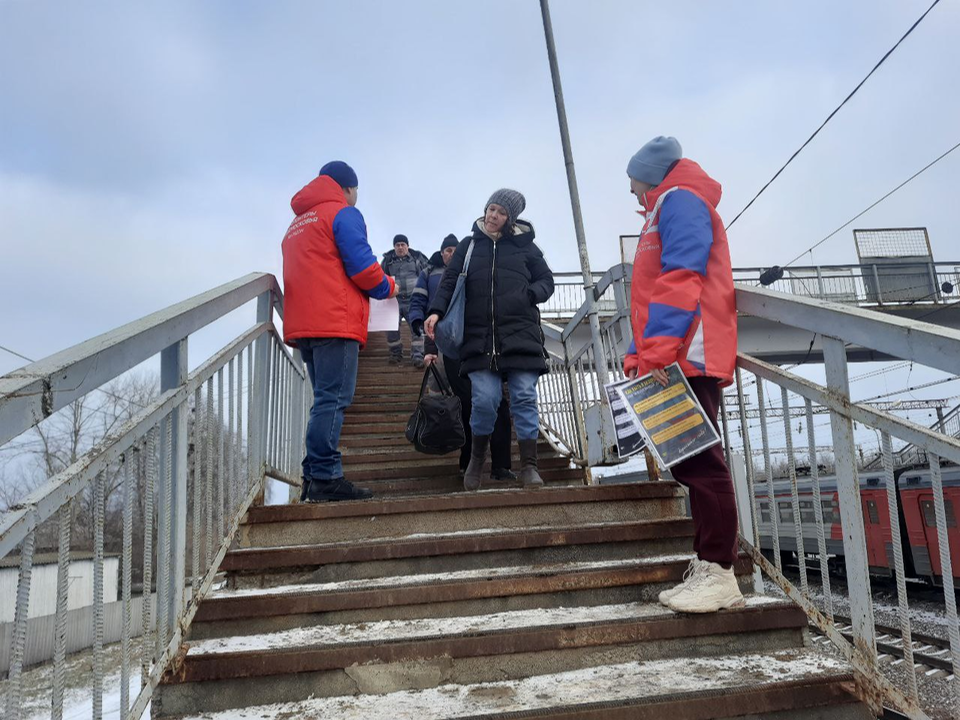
682 303
329 270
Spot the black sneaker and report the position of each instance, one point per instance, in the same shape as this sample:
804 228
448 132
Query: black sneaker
502 474
334 490
304 488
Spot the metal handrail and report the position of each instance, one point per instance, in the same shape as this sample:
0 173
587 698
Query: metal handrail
228 471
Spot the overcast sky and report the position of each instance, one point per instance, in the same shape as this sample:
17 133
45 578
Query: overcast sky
149 152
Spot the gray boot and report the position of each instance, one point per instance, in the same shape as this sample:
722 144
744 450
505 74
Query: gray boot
529 475
478 455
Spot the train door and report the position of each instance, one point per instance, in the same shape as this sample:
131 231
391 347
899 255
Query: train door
873 527
929 518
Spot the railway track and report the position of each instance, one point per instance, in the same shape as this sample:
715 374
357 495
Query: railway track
931 655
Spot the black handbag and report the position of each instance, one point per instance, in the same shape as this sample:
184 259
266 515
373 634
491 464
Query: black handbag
436 426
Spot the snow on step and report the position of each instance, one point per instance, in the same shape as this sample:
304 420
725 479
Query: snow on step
391 630
477 574
625 682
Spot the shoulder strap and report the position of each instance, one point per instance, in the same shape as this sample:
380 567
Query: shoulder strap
466 260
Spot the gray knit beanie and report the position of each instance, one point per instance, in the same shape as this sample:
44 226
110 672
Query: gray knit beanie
652 162
510 200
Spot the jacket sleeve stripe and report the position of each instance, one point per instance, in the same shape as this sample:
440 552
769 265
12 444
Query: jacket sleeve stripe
350 234
667 321
686 233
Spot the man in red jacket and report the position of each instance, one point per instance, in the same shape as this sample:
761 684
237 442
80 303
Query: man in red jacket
329 274
683 310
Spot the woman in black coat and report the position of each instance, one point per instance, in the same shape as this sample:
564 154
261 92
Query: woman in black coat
502 340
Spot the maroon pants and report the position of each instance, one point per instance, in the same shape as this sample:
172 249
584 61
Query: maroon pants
712 500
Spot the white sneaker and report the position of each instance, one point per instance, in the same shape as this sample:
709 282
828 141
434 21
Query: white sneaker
689 574
711 589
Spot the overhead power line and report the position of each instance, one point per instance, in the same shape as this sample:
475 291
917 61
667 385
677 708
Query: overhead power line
836 110
873 205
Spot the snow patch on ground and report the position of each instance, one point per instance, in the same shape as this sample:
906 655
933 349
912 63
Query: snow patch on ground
449 576
385 631
623 682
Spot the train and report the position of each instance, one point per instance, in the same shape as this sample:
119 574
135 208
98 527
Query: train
917 519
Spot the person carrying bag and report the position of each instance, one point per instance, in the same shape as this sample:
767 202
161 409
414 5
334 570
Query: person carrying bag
436 425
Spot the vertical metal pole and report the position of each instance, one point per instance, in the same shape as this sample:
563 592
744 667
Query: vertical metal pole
768 469
818 511
748 463
851 511
14 700
65 521
173 373
588 285
98 523
258 435
794 495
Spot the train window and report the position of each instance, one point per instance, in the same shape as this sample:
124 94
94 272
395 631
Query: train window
930 513
764 512
873 512
806 511
829 512
786 512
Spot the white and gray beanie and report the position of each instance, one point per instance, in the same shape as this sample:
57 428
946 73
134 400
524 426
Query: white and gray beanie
510 200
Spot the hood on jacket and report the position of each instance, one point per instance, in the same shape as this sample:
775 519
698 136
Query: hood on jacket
523 233
322 189
688 175
436 260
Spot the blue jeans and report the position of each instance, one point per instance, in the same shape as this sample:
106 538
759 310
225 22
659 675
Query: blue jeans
332 366
486 395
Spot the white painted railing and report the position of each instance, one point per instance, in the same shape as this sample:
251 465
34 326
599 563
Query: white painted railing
198 455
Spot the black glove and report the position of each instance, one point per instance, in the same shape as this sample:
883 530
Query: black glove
417 327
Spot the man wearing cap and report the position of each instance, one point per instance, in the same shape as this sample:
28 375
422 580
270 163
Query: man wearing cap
329 274
404 265
683 310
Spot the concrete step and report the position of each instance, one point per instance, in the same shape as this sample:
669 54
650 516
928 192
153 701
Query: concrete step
396 518
420 465
372 453
448 594
459 550
337 660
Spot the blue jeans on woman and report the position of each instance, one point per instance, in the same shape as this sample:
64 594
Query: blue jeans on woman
486 396
332 366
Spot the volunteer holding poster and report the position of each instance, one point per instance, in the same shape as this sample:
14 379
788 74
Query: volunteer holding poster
683 311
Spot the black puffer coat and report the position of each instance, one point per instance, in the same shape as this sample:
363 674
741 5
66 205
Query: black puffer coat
505 281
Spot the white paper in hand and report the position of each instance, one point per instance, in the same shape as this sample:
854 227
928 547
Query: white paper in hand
384 315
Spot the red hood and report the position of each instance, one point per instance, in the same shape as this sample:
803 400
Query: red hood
319 190
689 176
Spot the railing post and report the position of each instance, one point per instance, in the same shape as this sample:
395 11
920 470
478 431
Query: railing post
258 428
173 374
851 511
820 283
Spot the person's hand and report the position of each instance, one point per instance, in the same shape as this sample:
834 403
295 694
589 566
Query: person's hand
393 293
417 327
631 366
430 324
660 375
429 360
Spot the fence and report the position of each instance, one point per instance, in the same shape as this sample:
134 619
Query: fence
896 282
197 478
572 394
41 631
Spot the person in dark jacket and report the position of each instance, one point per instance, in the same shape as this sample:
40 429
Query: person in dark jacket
427 285
404 265
502 339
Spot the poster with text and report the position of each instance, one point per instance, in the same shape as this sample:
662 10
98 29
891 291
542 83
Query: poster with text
630 440
670 417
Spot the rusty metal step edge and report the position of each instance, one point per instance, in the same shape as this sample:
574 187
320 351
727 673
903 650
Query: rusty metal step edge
254 606
258 559
282 661
803 694
466 501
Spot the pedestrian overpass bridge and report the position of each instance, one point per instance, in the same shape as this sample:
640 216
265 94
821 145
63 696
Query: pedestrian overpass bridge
432 603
